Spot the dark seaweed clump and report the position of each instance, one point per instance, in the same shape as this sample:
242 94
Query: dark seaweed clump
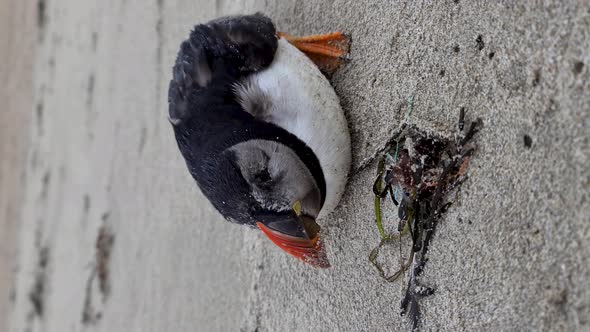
417 172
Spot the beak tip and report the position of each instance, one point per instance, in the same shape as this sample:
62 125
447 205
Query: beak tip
310 252
320 263
319 258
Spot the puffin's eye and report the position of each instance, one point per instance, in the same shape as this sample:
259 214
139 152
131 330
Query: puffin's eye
262 176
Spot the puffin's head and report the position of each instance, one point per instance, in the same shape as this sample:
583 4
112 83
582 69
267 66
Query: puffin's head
265 183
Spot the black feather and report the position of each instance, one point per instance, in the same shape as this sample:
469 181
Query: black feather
206 117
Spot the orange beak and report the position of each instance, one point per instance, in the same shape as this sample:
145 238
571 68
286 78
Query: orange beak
310 249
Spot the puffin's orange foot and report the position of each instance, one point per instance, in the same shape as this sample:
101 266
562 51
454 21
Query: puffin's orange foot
327 51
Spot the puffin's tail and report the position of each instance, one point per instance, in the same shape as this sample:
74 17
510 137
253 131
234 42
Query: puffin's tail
216 56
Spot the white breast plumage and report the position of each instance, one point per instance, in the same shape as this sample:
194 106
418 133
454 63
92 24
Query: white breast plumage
302 101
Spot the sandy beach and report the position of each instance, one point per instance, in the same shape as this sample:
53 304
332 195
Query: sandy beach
103 228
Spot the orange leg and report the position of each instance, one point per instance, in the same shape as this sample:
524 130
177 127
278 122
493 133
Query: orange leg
314 38
327 51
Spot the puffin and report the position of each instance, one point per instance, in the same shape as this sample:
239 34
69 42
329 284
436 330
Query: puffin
261 128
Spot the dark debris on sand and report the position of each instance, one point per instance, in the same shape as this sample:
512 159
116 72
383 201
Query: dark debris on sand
418 172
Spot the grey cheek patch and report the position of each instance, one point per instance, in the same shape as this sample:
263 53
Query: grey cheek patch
289 178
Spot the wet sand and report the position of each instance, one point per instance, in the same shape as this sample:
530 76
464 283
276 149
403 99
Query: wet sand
17 47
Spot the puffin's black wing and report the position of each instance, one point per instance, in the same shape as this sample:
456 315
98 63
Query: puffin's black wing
214 58
206 117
